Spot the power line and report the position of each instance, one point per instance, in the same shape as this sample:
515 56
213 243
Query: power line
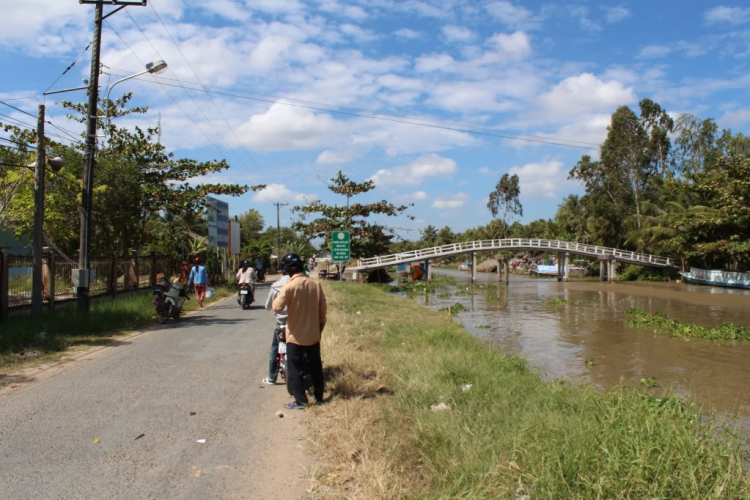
394 120
231 129
65 131
221 139
187 115
377 115
69 67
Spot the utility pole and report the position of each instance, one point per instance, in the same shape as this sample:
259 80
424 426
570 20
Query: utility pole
37 285
278 229
89 162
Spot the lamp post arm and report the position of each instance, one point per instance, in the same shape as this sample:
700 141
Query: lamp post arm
106 99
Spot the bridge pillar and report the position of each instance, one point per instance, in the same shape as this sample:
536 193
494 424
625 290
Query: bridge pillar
559 267
566 265
473 267
429 270
611 273
603 268
506 270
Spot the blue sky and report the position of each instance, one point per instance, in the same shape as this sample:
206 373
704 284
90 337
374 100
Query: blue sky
506 70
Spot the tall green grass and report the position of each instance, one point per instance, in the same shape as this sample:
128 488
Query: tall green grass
23 339
511 434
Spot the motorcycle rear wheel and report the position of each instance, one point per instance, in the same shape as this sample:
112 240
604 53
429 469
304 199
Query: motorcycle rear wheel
164 313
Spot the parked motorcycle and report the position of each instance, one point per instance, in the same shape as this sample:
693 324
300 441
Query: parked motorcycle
283 371
168 299
246 296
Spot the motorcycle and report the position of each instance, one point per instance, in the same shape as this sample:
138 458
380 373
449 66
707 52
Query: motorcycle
283 371
168 299
245 297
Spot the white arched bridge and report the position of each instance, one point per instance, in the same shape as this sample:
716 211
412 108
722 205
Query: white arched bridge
604 254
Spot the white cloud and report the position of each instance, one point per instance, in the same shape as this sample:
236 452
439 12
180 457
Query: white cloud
337 156
512 15
431 165
616 14
451 201
486 171
357 33
583 93
269 53
288 128
407 33
736 118
582 14
453 33
276 6
41 27
515 46
654 52
545 179
413 197
279 192
731 15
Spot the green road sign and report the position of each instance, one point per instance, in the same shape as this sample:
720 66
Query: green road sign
341 246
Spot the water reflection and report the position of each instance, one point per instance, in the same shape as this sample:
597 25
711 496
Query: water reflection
559 339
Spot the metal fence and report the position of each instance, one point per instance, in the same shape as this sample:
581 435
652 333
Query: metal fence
20 272
112 275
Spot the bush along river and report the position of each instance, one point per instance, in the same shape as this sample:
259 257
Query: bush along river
654 336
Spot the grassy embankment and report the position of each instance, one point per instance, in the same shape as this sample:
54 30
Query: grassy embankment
507 435
25 342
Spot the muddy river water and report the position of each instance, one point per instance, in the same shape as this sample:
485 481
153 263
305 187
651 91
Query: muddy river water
590 326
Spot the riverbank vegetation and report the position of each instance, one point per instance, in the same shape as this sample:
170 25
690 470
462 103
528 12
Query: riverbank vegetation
421 409
678 188
25 341
664 325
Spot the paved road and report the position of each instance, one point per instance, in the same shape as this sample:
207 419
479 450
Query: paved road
209 363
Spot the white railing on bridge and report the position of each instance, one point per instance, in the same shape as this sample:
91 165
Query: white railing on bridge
513 244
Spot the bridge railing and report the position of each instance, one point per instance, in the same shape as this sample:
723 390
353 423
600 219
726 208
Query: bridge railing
515 244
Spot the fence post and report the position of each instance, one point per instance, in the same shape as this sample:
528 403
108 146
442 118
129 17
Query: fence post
152 278
50 271
137 269
113 276
4 284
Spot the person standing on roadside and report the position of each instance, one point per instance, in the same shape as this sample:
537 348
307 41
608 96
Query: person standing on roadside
306 306
273 367
199 278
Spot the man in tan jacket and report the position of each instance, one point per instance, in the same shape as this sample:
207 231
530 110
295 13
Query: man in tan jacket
306 306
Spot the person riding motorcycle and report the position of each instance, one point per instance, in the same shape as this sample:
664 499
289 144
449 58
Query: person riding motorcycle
246 275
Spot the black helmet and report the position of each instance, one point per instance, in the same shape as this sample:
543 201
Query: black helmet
245 263
292 261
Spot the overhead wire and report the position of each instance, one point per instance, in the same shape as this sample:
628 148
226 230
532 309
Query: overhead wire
394 120
231 129
71 136
221 139
377 115
69 67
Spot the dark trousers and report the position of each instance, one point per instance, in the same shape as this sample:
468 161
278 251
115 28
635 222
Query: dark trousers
273 366
298 365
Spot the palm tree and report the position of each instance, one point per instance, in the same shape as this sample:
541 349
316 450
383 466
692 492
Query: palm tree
429 235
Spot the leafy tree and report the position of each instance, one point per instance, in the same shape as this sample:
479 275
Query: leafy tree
504 199
368 238
251 226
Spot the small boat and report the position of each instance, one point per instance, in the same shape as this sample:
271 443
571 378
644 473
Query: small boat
717 278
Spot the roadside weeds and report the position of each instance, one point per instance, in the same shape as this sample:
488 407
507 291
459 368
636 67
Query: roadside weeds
503 431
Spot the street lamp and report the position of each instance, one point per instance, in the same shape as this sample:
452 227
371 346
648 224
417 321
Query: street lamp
152 68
